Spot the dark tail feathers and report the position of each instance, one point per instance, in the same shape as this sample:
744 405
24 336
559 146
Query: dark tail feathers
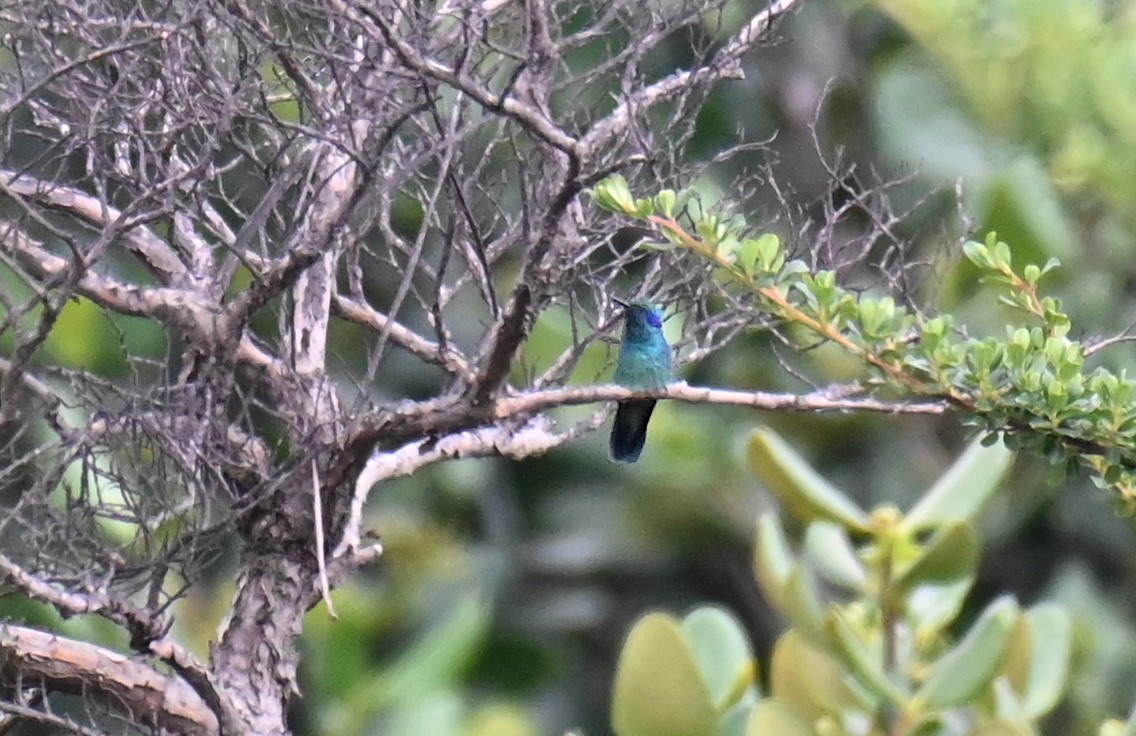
629 431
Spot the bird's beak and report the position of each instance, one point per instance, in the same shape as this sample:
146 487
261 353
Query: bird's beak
620 302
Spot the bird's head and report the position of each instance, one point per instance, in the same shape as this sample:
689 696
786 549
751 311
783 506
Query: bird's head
641 317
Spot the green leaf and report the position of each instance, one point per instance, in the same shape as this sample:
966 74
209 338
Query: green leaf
711 230
977 253
949 556
934 607
770 718
773 560
614 195
658 686
1000 255
1017 349
963 489
830 552
644 208
863 662
665 201
809 681
1038 662
762 254
771 255
876 316
722 652
749 256
802 604
805 494
968 668
727 248
794 267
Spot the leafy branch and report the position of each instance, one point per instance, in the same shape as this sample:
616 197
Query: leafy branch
1031 388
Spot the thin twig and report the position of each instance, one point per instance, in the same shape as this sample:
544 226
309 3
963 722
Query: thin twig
317 512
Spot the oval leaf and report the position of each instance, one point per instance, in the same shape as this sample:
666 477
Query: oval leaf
965 671
804 493
831 553
773 560
658 687
1038 662
723 654
862 662
809 681
770 717
950 555
963 489
934 607
802 603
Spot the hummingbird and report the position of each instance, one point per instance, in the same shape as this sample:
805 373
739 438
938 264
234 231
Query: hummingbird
644 363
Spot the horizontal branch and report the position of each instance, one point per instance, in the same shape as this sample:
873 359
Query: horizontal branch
413 421
35 658
141 240
445 432
833 399
147 632
170 305
534 437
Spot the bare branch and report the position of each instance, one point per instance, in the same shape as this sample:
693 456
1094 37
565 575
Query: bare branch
33 657
724 65
531 118
28 713
518 430
154 252
832 399
147 633
166 304
431 352
515 440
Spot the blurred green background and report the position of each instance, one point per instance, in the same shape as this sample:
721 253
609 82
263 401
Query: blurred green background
507 588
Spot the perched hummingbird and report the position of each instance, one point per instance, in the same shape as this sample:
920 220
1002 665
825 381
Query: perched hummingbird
644 363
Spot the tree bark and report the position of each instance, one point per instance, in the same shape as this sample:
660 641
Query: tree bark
255 661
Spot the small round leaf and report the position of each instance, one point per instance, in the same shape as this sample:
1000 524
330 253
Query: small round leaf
659 689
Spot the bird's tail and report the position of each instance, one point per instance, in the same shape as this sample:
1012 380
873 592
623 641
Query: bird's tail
629 431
